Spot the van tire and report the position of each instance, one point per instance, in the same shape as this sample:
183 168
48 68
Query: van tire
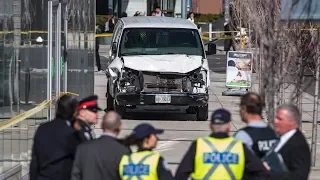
120 109
110 100
202 113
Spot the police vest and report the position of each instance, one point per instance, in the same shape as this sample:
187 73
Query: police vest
218 159
139 166
263 139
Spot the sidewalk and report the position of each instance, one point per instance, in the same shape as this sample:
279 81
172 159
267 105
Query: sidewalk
307 119
232 104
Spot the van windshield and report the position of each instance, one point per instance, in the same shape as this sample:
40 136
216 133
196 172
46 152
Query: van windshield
160 41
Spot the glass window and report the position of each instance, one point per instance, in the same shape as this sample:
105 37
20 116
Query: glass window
158 41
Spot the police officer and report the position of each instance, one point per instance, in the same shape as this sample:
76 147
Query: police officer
144 164
219 156
55 144
87 115
257 135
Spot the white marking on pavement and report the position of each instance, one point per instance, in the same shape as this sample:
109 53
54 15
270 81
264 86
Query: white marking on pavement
163 145
167 145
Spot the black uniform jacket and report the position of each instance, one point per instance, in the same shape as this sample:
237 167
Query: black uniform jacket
254 168
85 132
53 151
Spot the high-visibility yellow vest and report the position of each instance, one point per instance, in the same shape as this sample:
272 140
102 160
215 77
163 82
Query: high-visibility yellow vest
139 166
218 159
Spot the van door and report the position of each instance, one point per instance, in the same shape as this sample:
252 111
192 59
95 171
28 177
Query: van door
115 39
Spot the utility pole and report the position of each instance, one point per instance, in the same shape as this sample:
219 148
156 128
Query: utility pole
227 11
184 9
315 111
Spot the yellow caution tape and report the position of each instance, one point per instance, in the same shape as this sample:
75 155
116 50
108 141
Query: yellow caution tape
38 32
218 32
21 117
104 35
215 38
63 93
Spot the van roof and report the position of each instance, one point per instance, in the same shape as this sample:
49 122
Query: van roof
157 22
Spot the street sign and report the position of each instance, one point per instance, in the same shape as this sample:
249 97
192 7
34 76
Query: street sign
239 69
300 10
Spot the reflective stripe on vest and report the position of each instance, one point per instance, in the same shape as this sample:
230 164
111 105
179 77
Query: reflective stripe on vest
219 159
140 165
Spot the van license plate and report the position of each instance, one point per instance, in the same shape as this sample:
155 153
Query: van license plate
163 98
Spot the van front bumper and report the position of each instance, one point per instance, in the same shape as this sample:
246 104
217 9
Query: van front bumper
179 99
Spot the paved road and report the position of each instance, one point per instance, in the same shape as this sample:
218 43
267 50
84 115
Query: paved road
182 129
218 63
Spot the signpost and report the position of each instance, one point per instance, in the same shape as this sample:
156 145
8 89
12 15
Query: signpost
239 73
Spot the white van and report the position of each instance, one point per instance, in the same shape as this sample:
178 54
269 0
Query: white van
158 61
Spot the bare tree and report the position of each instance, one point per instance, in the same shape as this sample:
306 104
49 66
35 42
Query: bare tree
286 49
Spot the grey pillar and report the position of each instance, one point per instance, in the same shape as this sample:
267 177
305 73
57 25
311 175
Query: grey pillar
226 11
58 50
184 9
17 41
65 86
49 59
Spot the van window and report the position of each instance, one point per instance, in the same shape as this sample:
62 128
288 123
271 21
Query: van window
117 32
159 41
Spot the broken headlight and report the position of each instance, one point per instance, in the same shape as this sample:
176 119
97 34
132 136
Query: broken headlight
196 77
129 80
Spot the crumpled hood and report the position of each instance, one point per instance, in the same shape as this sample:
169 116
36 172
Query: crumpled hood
163 63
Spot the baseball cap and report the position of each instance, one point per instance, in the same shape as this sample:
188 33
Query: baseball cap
144 130
221 116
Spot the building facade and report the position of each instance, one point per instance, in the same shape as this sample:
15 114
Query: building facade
24 51
171 8
208 6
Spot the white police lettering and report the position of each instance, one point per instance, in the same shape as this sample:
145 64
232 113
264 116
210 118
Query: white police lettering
136 170
220 158
265 145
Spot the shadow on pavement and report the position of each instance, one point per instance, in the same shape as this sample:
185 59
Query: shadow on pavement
163 116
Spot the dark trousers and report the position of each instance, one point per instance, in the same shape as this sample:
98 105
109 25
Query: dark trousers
228 43
98 59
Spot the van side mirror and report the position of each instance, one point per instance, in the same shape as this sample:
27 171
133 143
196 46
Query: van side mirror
212 48
114 47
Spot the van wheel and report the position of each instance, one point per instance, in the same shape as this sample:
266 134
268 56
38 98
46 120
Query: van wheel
191 110
121 110
202 113
109 100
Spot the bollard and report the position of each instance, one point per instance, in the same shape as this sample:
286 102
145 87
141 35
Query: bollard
210 31
242 42
242 39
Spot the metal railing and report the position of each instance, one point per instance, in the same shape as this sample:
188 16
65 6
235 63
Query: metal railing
16 136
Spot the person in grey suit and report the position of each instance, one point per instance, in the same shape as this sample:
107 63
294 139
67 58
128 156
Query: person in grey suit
99 159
